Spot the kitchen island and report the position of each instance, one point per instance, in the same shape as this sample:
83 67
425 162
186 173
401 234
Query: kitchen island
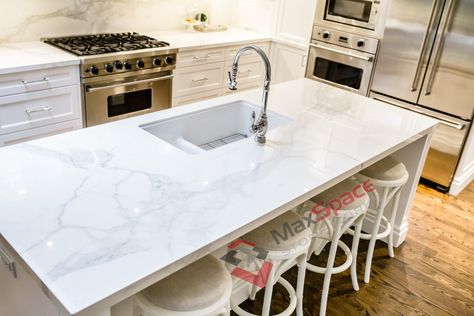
96 215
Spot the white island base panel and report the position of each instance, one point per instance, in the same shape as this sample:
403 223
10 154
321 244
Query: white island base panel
99 214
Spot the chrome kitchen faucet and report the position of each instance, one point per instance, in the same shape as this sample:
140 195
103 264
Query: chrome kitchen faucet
259 126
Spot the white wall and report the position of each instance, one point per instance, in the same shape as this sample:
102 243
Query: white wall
255 15
28 20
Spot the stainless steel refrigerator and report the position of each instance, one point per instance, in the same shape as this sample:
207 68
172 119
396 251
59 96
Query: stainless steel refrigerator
426 64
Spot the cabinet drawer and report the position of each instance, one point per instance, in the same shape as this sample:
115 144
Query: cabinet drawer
28 81
197 97
248 55
248 72
194 79
34 109
40 132
200 57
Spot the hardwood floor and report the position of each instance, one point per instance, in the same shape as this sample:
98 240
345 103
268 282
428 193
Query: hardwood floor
431 274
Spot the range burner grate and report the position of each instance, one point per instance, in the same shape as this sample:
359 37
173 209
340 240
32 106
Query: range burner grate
87 45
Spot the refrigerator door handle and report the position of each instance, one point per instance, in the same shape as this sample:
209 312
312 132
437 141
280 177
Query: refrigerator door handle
424 46
442 120
438 47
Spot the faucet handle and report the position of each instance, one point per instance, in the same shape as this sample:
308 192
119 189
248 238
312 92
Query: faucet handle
253 128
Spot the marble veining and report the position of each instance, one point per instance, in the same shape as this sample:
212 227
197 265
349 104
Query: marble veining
94 211
28 20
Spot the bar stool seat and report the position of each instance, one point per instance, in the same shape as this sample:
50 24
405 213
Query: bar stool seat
387 169
282 253
201 288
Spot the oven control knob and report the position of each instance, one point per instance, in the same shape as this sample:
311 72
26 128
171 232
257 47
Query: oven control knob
157 61
118 65
360 43
127 65
326 34
109 68
94 70
169 60
140 64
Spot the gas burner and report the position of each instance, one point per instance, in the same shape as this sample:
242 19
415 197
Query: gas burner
88 45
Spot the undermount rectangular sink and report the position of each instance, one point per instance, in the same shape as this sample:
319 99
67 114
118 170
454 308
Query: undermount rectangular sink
208 129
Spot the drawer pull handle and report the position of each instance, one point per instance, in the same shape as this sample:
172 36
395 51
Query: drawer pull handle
48 108
25 82
202 57
201 80
9 262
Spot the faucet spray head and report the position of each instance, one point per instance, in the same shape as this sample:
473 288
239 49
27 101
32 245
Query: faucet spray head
233 79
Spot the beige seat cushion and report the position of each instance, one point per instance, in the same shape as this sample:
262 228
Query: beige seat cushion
387 169
199 285
344 193
280 234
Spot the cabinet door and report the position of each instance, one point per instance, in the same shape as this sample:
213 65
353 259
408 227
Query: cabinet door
289 63
295 20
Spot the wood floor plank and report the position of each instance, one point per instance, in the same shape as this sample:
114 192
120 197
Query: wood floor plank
431 273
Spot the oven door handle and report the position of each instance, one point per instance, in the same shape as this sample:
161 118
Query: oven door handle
131 83
370 59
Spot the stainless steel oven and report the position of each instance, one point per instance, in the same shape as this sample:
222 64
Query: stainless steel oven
111 100
353 15
341 59
121 85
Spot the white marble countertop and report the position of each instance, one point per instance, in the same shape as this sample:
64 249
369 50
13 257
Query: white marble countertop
100 213
15 57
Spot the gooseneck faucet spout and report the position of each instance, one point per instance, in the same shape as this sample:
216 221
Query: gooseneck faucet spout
259 126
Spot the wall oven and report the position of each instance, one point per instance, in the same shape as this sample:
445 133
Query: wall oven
356 16
341 59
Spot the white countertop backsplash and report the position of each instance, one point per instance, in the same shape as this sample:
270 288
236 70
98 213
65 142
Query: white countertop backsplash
100 210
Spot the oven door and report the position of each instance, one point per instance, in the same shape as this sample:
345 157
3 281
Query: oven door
114 100
341 67
361 13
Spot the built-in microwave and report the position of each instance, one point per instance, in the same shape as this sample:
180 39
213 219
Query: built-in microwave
358 14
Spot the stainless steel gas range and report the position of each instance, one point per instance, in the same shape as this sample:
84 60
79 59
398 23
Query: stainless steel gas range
122 74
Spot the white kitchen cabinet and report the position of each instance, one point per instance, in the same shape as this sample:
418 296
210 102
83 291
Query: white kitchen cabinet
288 61
295 20
39 103
203 73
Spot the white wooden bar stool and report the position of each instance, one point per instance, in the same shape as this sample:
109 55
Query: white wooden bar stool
388 177
335 210
202 288
285 240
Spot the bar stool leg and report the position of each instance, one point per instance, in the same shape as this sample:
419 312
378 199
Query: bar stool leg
329 267
392 223
355 246
300 284
267 300
373 239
